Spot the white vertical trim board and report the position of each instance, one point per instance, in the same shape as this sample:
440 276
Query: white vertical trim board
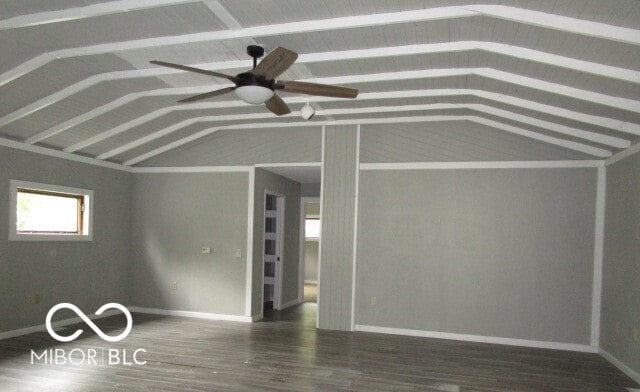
479 338
321 235
598 249
249 255
355 231
635 376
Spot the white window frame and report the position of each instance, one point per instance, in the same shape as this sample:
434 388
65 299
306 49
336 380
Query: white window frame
87 215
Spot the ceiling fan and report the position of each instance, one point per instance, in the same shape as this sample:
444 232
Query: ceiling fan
258 85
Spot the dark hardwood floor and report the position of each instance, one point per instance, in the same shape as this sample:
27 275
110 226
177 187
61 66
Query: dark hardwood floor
285 352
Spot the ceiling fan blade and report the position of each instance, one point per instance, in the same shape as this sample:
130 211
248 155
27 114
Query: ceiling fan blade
275 63
207 95
197 70
277 106
323 90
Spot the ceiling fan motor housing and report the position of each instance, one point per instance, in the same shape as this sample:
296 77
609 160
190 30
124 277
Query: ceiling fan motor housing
249 79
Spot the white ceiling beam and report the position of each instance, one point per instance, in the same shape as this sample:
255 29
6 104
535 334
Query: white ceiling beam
89 11
586 118
388 120
529 17
100 110
601 70
575 93
558 22
590 136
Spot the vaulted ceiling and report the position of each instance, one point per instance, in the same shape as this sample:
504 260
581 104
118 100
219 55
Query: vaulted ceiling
75 74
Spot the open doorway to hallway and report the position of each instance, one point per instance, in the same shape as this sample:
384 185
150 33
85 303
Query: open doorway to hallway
311 209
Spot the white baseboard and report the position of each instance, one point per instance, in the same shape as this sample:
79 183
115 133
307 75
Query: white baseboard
479 338
311 282
618 363
285 305
55 325
184 313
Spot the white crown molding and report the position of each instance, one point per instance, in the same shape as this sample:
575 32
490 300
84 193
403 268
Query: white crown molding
480 165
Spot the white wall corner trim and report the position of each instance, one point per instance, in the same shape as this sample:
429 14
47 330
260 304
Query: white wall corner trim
249 255
479 339
635 376
598 253
55 324
355 233
184 313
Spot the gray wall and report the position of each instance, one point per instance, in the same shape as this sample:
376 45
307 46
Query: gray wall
265 180
621 265
500 252
310 190
246 147
311 260
338 213
85 273
173 216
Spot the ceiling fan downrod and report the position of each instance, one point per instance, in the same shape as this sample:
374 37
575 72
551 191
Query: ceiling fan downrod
255 51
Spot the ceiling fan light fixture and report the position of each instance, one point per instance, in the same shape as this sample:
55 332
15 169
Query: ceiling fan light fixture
254 95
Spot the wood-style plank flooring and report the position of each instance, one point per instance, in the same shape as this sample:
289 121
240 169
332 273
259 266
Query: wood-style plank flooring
286 353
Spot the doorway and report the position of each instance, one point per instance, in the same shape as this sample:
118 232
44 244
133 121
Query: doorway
272 251
309 248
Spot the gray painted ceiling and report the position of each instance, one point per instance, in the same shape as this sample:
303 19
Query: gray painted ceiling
75 75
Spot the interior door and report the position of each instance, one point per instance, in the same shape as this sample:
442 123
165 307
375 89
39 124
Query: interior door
273 227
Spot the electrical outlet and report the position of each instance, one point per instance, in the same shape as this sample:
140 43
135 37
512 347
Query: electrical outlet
374 300
174 286
238 253
617 327
634 334
205 250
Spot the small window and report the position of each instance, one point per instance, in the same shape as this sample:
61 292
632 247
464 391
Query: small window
42 212
312 229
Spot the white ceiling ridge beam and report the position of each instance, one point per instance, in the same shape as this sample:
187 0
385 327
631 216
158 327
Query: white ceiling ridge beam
566 24
393 51
387 120
590 136
89 11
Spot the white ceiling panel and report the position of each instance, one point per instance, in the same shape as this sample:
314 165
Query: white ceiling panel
554 79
